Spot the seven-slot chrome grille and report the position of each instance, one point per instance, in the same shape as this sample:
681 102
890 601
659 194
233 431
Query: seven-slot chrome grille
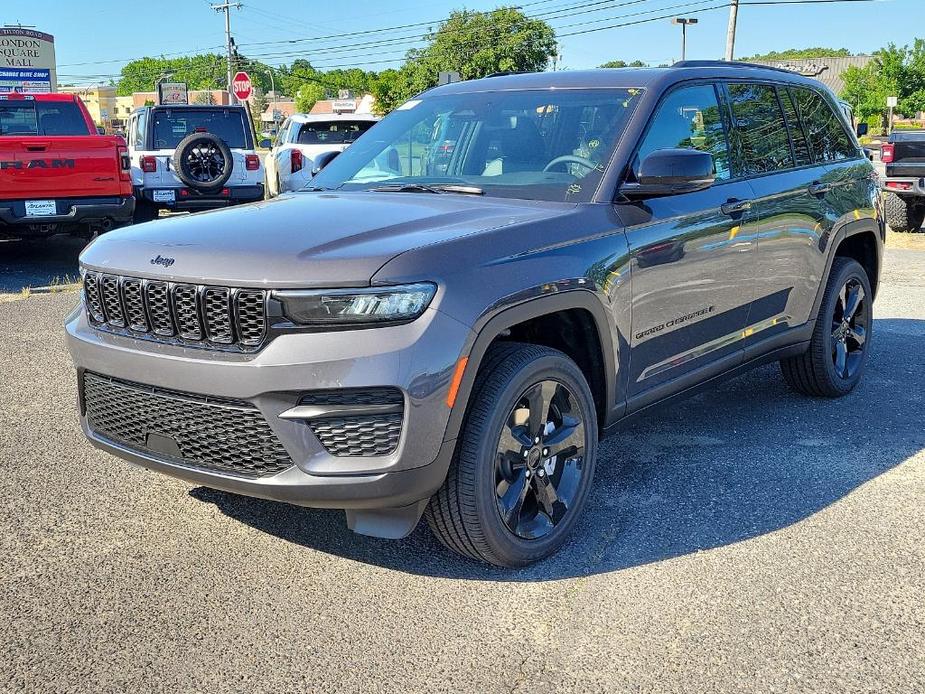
191 314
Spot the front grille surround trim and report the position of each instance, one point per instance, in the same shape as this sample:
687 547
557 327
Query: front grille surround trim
178 313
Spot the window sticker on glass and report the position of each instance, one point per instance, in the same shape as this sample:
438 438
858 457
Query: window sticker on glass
408 105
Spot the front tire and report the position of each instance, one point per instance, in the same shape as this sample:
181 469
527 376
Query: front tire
524 461
837 354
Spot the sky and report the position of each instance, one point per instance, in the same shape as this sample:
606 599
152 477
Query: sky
94 38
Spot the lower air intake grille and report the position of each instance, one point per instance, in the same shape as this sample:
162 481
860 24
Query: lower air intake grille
227 436
353 432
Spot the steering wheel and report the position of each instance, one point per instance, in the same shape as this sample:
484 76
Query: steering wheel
571 159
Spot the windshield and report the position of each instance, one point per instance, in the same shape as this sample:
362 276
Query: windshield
332 132
172 125
532 144
41 118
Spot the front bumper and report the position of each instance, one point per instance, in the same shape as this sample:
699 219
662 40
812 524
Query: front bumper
192 199
70 211
417 358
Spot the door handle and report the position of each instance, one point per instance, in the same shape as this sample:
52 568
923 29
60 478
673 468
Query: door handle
818 188
734 207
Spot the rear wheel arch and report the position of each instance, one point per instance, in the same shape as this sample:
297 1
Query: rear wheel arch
854 238
583 333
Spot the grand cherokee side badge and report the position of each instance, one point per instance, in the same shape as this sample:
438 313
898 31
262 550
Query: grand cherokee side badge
161 260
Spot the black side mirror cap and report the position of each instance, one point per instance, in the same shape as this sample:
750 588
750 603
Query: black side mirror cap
323 160
265 143
671 172
862 129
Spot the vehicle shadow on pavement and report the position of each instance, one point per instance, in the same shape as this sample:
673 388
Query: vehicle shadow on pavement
26 264
739 461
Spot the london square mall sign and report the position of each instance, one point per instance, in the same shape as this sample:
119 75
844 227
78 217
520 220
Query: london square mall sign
27 61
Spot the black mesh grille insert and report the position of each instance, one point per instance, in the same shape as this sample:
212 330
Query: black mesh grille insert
366 435
357 433
213 434
216 317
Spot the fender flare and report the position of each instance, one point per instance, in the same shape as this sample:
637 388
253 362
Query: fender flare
852 228
528 310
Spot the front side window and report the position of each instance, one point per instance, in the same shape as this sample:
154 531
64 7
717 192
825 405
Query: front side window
761 132
538 144
828 139
689 118
172 125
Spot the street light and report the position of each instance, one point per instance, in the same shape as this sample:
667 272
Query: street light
684 21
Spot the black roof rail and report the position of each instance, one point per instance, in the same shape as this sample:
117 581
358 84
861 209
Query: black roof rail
729 63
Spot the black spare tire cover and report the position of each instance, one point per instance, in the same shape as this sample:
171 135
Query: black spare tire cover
203 161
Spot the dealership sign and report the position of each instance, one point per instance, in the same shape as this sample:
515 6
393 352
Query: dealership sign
172 93
27 60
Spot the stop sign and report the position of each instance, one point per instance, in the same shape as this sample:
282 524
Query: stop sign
241 86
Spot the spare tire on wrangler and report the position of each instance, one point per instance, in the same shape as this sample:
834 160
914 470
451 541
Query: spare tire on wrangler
203 161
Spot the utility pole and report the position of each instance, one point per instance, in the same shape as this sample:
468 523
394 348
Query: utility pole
731 31
226 8
684 22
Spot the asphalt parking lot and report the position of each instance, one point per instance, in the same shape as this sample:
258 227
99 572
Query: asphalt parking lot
747 539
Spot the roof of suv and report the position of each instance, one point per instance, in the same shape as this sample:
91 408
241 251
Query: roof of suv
626 77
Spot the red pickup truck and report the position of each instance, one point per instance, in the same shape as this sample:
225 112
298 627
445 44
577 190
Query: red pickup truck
56 173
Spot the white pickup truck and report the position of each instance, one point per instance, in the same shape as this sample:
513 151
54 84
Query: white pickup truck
192 157
302 138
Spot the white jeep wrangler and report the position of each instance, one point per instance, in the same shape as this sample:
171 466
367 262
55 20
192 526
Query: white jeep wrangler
192 157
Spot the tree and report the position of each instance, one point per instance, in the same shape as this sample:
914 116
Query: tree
800 54
894 71
387 89
205 71
308 94
623 63
477 44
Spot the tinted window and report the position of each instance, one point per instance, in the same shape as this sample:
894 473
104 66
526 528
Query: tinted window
761 132
689 118
29 117
332 132
172 125
538 144
797 135
828 140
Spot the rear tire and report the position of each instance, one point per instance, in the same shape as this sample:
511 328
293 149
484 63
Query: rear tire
837 354
500 468
903 215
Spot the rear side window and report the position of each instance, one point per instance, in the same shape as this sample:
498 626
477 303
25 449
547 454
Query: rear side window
332 133
828 140
29 117
172 125
797 134
689 118
760 128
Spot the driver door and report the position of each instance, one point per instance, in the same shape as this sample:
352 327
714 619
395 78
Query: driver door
693 258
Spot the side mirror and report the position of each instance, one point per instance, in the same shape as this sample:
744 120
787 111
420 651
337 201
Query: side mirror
100 130
323 160
671 172
265 144
861 129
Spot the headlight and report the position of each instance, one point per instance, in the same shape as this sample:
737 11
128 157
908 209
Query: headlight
346 307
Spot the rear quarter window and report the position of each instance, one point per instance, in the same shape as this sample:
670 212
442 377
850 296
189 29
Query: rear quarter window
827 137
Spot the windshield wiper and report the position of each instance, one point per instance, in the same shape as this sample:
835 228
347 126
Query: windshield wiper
428 188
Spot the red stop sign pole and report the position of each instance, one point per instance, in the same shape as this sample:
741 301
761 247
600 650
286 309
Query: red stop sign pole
241 86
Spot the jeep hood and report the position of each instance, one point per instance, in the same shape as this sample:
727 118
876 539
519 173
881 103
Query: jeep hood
303 239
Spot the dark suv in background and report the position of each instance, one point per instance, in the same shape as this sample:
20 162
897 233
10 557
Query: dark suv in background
451 340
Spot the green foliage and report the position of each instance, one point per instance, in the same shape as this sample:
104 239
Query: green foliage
205 71
308 94
894 71
800 54
623 63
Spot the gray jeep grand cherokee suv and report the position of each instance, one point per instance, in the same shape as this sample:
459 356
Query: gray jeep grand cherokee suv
450 336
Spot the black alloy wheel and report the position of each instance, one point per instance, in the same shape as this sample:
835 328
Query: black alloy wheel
850 323
524 461
540 460
204 162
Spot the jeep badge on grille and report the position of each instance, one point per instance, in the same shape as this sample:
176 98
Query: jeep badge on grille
161 260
